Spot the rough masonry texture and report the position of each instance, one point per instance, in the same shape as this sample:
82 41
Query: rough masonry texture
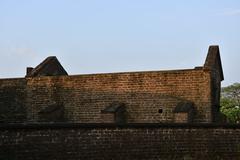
133 115
148 97
131 142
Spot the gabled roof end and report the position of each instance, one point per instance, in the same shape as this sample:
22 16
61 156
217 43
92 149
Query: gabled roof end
49 67
213 59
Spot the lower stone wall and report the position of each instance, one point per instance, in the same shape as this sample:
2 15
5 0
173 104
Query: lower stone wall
107 141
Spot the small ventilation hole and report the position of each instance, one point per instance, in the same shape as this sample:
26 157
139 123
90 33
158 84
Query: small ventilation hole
160 111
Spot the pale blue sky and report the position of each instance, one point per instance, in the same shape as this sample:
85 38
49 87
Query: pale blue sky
99 36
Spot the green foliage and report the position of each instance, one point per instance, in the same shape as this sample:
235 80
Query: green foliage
231 109
230 102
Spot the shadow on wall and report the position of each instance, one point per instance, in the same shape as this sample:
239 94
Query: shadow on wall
107 107
102 107
12 105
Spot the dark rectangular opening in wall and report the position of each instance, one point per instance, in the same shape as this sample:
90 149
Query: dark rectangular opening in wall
160 110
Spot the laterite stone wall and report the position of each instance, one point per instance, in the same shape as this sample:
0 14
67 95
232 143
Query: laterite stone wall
12 100
84 96
103 142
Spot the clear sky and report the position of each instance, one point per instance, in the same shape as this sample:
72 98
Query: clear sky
99 36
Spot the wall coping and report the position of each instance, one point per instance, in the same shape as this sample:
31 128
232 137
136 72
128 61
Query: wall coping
43 126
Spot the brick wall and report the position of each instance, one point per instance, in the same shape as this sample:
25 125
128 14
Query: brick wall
144 93
215 92
214 65
136 141
12 100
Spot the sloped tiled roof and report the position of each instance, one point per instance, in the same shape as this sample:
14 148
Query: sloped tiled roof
183 107
49 67
113 107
